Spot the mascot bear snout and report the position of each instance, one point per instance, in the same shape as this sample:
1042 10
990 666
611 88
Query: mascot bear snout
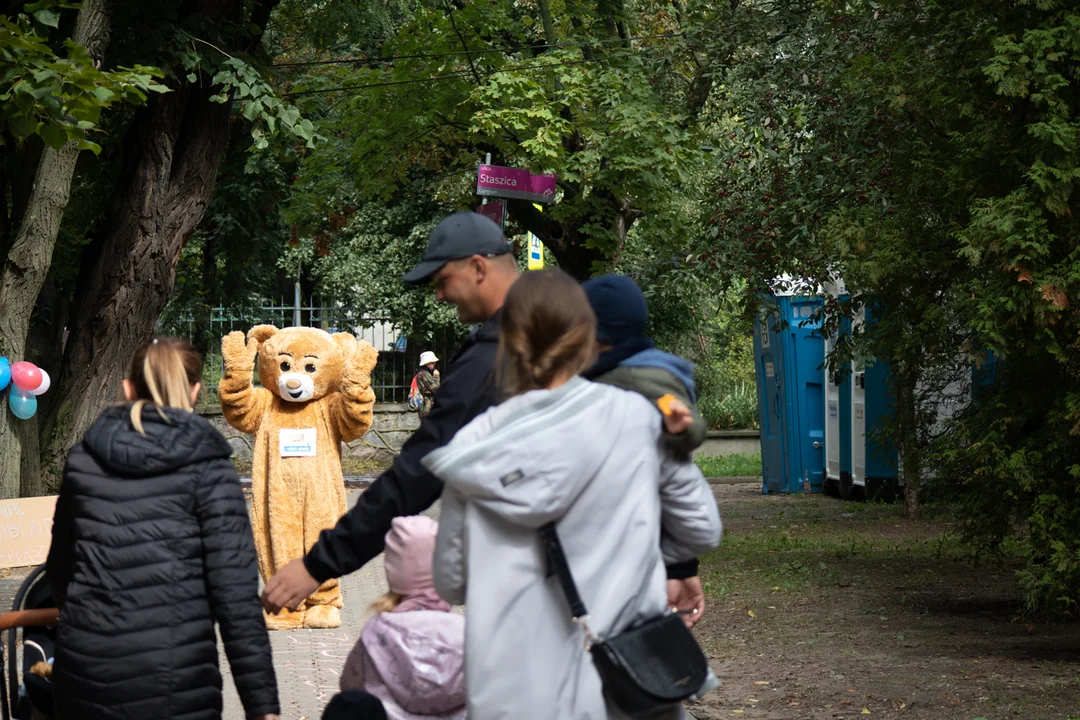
296 387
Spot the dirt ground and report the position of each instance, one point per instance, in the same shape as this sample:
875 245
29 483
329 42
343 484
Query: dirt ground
823 609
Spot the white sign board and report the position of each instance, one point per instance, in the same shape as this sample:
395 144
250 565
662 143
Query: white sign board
26 530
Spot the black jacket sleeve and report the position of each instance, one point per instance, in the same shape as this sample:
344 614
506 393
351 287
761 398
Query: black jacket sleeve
232 583
407 488
683 570
58 564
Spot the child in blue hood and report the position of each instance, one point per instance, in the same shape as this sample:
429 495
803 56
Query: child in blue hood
629 360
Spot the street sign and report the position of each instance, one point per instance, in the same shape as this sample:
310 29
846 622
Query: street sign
493 210
504 182
536 253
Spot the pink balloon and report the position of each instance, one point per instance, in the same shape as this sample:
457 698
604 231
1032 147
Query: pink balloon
26 376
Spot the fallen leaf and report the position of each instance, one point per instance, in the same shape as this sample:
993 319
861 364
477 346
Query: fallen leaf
865 711
751 613
761 682
736 712
772 607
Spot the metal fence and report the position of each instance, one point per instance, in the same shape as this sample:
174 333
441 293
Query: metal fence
398 357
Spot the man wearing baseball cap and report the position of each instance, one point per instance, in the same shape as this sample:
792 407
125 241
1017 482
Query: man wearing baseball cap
472 267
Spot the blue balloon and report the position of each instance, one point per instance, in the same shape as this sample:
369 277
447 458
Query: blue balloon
5 372
23 404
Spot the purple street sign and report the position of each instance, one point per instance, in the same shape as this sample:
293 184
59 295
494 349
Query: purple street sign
505 182
493 210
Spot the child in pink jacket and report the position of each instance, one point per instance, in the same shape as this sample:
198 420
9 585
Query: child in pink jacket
411 655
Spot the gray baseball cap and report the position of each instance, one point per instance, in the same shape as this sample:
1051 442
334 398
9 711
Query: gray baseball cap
461 235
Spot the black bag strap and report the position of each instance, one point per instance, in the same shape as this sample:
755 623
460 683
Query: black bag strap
557 564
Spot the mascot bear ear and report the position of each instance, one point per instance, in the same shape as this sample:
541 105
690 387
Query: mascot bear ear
261 333
346 343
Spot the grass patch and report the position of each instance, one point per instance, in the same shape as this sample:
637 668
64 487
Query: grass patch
719 466
786 555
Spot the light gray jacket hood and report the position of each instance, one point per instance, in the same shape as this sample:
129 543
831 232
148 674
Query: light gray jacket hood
588 457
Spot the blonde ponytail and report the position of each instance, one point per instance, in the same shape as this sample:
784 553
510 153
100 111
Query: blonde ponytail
163 373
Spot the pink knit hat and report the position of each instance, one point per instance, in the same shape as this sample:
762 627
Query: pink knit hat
410 546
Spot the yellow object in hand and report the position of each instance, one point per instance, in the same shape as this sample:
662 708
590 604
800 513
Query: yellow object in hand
664 403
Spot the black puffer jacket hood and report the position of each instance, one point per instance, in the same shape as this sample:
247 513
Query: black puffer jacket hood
179 438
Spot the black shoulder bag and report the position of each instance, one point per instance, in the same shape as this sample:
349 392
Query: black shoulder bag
644 669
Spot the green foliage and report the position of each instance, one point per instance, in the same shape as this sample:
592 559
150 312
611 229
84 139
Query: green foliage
371 248
230 260
259 104
59 99
594 116
731 407
927 154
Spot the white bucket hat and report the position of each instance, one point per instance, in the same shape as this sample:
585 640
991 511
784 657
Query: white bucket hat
428 357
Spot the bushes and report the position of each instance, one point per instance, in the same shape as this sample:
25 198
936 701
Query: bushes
733 409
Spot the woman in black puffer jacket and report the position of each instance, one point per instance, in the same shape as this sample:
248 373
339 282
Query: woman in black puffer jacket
151 546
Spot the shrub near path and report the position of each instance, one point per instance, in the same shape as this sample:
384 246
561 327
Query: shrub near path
824 609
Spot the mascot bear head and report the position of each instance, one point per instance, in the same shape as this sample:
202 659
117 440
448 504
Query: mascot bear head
300 364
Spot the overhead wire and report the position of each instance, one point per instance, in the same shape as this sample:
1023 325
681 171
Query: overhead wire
455 74
420 56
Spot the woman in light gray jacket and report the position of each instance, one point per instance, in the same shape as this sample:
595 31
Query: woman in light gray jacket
587 457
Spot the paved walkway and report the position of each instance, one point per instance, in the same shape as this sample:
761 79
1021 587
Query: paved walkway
308 662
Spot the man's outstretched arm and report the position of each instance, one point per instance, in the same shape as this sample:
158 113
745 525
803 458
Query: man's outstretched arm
406 488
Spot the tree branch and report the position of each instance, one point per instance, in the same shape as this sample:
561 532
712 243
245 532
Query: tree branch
464 45
260 16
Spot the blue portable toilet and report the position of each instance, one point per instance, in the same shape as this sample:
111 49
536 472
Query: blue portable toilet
838 408
874 460
789 357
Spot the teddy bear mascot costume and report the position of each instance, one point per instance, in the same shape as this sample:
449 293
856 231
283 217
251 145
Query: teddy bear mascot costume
315 394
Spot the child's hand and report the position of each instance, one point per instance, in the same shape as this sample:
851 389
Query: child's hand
677 417
687 598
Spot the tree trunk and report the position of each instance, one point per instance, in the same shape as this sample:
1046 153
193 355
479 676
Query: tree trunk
44 348
30 256
20 165
566 243
203 321
176 144
907 441
624 220
5 218
549 26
